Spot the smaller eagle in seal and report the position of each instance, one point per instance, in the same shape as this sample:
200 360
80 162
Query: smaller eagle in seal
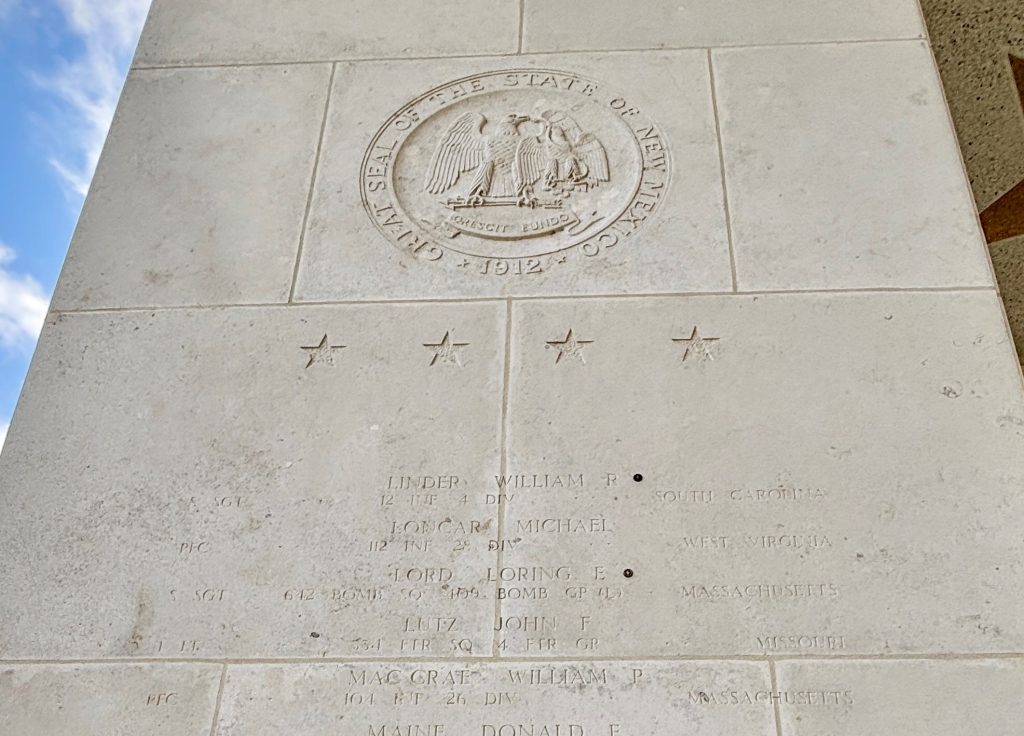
506 164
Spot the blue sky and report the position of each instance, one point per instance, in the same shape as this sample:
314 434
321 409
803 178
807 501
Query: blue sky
62 65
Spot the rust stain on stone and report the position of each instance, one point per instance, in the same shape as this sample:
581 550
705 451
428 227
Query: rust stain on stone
1004 218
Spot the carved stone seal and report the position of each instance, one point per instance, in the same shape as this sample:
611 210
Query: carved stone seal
512 172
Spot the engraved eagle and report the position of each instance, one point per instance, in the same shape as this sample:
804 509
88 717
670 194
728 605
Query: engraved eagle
506 164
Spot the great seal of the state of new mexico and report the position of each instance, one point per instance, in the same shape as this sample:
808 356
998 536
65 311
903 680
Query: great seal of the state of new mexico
515 171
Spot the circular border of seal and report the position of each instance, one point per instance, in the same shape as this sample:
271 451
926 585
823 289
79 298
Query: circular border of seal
377 191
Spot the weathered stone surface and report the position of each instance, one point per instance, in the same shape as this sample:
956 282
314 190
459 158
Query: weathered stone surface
843 171
979 47
1008 264
919 698
200 194
975 43
817 474
608 24
230 483
514 699
99 700
378 228
248 31
553 476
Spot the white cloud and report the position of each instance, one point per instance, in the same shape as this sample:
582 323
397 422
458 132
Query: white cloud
23 304
87 85
3 433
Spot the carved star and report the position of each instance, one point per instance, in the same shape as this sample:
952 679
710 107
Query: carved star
696 345
446 351
569 348
322 353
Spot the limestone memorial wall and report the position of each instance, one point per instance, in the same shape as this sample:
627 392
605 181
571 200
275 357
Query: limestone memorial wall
521 368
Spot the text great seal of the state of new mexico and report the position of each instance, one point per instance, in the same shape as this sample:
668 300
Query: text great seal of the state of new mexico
514 172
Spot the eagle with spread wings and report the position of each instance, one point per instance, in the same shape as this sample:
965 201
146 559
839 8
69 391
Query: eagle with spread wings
507 165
